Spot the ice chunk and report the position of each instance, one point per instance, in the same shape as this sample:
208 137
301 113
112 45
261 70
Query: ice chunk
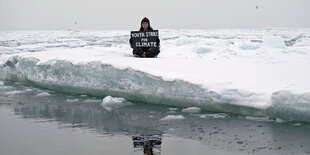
274 42
91 101
173 117
191 110
303 42
43 94
279 120
209 69
113 100
259 119
14 92
173 109
217 115
72 100
109 102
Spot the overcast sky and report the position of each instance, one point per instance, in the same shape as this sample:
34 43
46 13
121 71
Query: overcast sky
175 14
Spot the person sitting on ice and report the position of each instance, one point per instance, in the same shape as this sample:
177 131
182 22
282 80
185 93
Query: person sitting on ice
145 52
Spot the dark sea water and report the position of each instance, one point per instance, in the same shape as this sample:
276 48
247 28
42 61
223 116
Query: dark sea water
35 121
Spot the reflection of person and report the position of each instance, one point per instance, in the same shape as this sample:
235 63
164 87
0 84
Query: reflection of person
148 151
145 52
147 142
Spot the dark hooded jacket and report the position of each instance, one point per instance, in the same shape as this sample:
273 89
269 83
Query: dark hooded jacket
149 52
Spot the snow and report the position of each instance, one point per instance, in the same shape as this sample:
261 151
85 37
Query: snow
220 75
249 67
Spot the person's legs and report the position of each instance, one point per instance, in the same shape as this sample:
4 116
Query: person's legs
152 52
137 52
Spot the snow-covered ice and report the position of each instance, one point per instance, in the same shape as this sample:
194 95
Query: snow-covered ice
109 102
263 69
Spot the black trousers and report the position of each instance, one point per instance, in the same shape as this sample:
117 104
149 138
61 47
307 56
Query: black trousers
150 53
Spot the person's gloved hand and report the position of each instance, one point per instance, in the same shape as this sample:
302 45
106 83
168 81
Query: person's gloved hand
140 51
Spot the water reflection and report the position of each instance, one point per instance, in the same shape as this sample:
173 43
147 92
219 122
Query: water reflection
150 144
225 132
230 133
